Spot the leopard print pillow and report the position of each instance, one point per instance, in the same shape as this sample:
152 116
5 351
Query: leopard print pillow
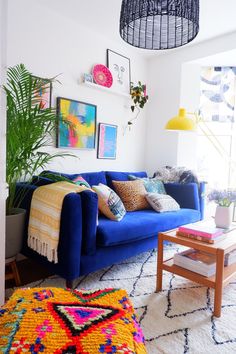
132 194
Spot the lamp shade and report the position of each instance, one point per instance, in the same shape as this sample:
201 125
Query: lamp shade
181 122
159 24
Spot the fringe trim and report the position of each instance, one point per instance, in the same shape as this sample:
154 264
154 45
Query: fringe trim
44 249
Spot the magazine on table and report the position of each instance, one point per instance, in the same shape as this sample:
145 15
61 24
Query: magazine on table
202 238
196 261
230 258
204 228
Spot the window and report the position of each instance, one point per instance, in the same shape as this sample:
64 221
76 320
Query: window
216 149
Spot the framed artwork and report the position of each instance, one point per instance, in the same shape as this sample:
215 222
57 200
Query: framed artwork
76 124
120 69
45 94
88 77
107 136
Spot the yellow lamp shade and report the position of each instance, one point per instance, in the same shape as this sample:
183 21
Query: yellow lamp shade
181 122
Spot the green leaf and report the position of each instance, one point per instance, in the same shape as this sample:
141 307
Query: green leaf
28 130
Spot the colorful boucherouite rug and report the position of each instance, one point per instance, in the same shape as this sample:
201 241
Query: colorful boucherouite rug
53 320
177 320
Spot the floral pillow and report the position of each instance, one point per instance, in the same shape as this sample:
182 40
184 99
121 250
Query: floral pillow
109 202
80 181
152 185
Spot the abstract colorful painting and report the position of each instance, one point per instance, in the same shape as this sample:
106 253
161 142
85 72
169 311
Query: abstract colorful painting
217 99
107 136
77 124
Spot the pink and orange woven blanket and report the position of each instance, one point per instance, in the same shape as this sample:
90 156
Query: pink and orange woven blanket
54 320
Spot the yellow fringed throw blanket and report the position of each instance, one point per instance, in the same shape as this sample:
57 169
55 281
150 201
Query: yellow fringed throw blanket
45 216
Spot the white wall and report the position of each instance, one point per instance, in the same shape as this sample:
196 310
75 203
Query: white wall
164 82
50 44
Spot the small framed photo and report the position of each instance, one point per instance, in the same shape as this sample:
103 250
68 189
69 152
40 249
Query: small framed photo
45 93
107 137
119 66
88 77
76 124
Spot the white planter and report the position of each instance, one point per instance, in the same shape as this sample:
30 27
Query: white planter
223 216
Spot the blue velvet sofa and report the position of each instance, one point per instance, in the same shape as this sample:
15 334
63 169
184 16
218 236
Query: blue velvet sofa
85 246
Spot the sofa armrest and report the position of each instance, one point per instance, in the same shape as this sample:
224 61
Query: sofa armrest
70 238
187 195
89 202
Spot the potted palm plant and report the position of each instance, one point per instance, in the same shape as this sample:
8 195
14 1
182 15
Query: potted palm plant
29 129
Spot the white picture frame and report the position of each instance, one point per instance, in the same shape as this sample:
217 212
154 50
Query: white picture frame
119 65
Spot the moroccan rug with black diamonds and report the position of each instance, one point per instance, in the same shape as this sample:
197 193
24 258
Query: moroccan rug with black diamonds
175 321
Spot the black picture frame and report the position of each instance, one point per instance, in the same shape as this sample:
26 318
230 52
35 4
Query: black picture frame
120 82
66 137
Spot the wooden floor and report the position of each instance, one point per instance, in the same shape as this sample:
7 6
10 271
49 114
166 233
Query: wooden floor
29 271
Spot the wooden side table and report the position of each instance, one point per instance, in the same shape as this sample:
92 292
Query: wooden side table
14 274
223 274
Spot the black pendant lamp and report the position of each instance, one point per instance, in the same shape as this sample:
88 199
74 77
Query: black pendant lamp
159 24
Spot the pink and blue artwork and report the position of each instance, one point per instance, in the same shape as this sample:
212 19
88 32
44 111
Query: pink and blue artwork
107 141
77 124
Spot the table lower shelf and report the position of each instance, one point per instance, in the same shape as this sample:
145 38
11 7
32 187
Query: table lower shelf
229 273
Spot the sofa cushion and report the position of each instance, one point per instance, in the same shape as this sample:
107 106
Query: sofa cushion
80 181
121 176
109 203
132 194
162 202
90 177
141 224
152 185
94 178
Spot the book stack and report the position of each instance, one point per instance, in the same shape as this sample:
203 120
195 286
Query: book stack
230 258
196 261
204 231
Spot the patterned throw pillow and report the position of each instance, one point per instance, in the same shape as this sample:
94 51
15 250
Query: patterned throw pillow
152 185
109 203
132 194
162 202
80 181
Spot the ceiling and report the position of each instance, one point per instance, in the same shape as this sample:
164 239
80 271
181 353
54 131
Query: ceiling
217 17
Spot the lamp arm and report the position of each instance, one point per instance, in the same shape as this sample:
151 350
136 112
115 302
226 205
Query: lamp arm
208 133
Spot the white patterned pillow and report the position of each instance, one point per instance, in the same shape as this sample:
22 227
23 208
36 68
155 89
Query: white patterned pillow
162 202
109 203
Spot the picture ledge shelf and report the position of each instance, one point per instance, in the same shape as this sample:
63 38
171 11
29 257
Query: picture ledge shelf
105 89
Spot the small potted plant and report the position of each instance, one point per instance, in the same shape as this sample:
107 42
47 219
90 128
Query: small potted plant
224 200
139 98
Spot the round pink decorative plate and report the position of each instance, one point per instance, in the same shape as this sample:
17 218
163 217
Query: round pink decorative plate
102 75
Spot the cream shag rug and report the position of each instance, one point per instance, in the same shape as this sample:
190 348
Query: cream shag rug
175 321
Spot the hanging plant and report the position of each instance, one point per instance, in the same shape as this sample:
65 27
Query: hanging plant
139 97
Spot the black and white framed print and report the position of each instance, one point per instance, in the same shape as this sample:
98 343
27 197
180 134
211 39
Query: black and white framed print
119 66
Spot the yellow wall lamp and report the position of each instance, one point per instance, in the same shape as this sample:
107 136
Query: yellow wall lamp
182 122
